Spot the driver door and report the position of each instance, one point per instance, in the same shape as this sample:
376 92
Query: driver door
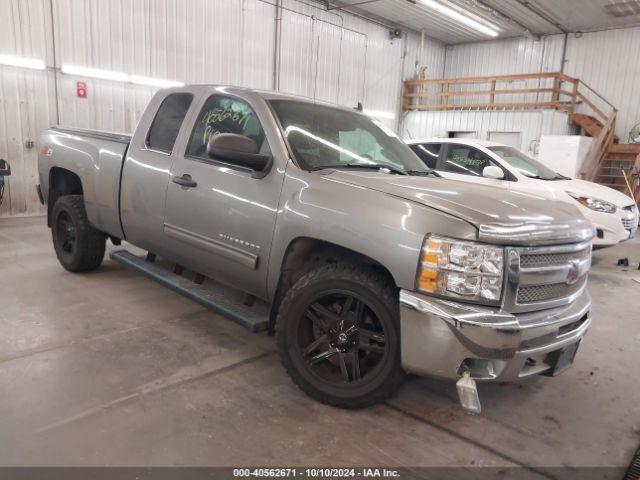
219 217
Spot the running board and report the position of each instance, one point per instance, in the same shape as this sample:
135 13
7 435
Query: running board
213 295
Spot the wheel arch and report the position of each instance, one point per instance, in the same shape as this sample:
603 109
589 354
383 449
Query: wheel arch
304 253
61 182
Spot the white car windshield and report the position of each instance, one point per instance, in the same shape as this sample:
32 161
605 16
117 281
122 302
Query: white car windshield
525 165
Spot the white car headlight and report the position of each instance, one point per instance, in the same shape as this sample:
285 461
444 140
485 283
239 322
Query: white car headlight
461 269
594 203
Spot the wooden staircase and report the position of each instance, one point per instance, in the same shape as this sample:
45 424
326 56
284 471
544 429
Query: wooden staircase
591 125
610 158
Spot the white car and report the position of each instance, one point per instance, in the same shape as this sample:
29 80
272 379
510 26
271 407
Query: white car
613 213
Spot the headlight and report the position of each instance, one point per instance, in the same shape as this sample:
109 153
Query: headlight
461 269
594 203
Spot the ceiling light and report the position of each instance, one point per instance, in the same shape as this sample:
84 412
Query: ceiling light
453 14
95 73
155 82
379 114
22 62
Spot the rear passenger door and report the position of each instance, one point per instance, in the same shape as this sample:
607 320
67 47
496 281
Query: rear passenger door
222 224
147 168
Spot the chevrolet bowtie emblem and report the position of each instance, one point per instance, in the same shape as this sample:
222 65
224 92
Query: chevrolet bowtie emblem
574 272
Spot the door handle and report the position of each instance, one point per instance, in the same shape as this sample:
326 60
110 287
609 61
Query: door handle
185 181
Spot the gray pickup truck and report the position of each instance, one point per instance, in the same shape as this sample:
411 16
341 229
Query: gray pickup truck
317 223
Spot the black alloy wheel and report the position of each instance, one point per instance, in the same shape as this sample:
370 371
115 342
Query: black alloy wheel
338 334
341 338
65 231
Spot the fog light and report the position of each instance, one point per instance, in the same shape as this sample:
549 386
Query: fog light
468 393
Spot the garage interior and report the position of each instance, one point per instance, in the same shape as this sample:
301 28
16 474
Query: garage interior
109 368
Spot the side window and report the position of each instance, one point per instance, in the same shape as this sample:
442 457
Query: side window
224 115
428 153
166 125
466 160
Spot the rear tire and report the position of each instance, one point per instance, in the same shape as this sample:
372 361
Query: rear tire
338 334
79 247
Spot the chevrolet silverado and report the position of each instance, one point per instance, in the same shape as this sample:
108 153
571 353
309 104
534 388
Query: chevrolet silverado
363 262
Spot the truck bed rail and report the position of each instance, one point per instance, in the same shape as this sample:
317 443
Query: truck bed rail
111 136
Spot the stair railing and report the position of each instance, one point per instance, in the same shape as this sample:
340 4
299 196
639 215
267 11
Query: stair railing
533 90
580 95
597 153
523 91
596 156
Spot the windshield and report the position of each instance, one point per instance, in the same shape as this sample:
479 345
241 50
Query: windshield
526 165
323 137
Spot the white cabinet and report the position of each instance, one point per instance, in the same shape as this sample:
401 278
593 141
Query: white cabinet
564 153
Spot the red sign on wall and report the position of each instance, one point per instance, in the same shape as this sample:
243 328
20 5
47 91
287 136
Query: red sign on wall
81 90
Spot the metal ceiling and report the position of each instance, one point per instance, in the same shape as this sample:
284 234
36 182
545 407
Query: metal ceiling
512 17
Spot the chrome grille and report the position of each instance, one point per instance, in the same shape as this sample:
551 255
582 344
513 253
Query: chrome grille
541 293
545 259
545 276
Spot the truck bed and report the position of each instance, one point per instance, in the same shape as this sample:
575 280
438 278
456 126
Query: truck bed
96 157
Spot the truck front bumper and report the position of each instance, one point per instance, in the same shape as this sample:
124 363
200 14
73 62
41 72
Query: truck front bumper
444 339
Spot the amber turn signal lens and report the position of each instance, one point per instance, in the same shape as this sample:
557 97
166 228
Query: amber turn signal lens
427 280
430 258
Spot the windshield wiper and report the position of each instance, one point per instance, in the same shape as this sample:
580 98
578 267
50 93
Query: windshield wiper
423 173
367 166
538 177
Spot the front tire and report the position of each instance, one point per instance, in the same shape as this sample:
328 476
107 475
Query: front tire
79 247
338 335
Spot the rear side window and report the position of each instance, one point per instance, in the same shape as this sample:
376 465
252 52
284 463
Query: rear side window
165 127
428 153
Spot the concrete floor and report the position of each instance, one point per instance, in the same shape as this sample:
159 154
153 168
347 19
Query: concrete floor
109 368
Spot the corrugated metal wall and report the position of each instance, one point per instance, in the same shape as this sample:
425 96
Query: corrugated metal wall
498 57
27 101
503 57
193 41
334 56
609 62
429 64
425 59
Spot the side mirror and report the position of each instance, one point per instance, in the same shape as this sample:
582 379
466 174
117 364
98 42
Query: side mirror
492 171
5 169
239 150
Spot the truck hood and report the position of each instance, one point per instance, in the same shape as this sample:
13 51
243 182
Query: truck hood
501 216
